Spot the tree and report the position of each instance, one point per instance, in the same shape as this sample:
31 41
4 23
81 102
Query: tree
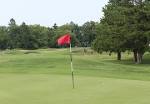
40 33
111 31
55 33
88 33
13 33
3 38
127 26
138 28
12 22
55 26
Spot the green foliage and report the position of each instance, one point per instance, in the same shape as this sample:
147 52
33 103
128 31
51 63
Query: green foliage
40 34
35 36
27 36
4 40
88 33
55 33
13 32
125 26
27 39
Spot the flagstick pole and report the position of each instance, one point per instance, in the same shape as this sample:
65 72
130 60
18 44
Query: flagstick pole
72 70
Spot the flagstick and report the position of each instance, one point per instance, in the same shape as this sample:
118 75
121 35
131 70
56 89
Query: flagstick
72 70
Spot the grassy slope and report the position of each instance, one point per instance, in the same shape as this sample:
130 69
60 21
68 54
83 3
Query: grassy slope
58 62
43 77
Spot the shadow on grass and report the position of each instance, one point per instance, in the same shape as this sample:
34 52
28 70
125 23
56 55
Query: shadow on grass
31 52
145 62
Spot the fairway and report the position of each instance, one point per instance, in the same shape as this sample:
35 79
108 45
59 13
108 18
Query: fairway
43 77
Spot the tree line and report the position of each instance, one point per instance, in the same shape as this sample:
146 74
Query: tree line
35 36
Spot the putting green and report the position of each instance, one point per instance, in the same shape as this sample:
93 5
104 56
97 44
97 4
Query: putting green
57 89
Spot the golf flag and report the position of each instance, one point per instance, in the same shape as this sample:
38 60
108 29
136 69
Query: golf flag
65 39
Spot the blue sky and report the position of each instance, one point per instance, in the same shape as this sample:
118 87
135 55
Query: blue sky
48 12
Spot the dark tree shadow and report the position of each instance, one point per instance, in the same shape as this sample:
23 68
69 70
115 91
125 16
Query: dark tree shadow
146 61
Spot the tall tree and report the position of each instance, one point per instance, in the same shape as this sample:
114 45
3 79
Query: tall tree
111 31
127 26
40 33
88 32
4 40
138 28
13 32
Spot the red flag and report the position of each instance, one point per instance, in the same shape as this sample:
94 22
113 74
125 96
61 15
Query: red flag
65 39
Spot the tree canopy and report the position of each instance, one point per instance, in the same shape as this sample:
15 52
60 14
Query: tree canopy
125 26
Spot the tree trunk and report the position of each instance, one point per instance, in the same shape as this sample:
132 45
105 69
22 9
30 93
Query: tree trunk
135 56
119 55
139 58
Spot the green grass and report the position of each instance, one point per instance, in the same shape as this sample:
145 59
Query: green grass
43 77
